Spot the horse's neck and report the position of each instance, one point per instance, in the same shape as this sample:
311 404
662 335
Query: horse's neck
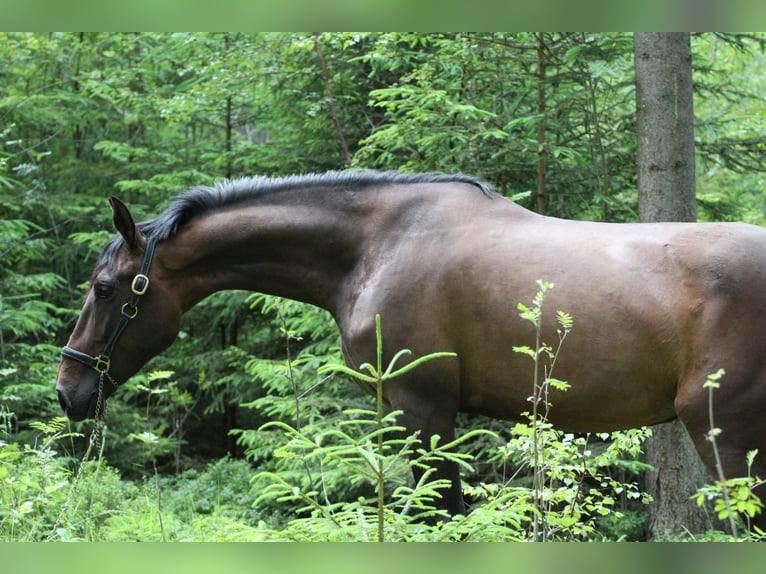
299 251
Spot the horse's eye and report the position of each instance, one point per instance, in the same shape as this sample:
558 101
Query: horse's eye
103 290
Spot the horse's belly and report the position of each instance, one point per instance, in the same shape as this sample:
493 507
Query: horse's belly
621 359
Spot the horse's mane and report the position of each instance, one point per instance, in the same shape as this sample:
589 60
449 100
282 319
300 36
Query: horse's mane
205 199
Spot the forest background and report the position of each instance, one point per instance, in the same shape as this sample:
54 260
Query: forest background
548 118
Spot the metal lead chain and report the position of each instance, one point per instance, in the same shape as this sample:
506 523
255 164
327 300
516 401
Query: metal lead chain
93 441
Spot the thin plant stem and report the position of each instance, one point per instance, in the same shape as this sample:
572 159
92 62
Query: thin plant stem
712 384
296 394
536 475
378 427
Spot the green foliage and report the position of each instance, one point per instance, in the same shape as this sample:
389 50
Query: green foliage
472 102
209 505
29 316
728 132
369 458
39 501
32 486
367 454
733 499
36 486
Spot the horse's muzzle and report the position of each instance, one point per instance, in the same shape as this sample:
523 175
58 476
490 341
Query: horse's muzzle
77 407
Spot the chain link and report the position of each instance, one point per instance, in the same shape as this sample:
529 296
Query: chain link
94 441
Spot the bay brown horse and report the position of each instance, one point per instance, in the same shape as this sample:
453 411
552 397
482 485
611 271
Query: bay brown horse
444 260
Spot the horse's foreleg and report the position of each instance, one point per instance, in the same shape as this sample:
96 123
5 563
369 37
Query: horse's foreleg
429 424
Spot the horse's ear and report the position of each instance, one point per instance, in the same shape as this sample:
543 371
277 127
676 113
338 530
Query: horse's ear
125 226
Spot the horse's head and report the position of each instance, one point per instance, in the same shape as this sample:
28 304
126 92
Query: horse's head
128 317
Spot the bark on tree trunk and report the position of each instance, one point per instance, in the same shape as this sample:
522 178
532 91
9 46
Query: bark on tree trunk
665 127
666 192
542 154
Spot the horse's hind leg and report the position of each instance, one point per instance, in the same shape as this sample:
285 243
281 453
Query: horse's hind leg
739 407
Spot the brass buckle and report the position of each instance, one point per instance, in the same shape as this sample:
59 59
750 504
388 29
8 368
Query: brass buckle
102 365
126 315
140 284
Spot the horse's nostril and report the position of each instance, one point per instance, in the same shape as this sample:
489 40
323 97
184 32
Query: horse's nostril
62 400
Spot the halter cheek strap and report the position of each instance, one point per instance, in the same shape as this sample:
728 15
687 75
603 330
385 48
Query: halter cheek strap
103 362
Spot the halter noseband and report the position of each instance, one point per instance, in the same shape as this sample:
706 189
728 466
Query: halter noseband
101 363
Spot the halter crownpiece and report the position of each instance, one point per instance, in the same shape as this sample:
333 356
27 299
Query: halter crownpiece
103 362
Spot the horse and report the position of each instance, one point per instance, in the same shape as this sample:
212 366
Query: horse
444 260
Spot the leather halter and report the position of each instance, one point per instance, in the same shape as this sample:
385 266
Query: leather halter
101 363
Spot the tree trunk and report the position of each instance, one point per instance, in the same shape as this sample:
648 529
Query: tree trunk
542 154
665 127
666 192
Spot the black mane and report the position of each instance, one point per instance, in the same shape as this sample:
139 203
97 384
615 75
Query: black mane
204 199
